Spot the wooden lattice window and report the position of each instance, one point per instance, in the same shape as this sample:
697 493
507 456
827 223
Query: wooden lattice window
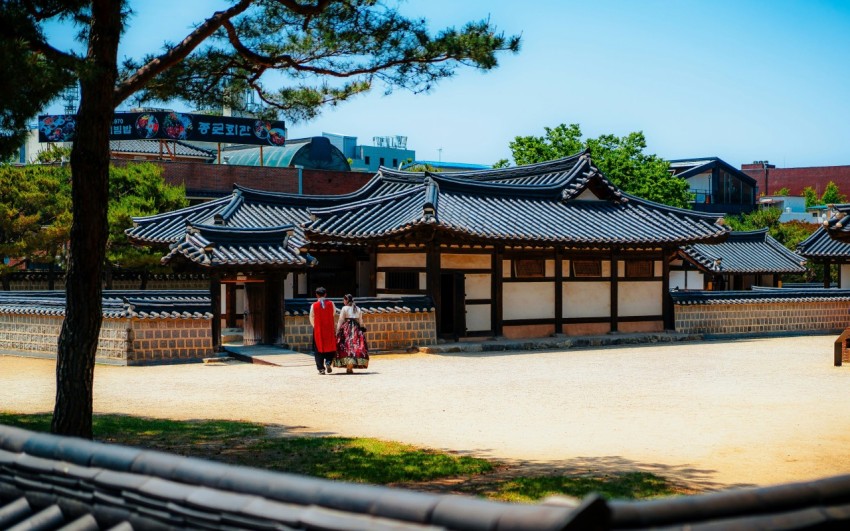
587 268
639 269
532 268
402 280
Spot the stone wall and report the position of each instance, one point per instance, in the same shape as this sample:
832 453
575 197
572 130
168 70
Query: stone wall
762 317
121 341
385 331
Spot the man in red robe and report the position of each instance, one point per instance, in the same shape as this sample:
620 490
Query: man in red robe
323 319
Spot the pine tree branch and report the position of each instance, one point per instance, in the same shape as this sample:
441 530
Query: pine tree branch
176 54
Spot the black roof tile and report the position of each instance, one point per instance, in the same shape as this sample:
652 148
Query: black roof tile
822 244
745 252
563 202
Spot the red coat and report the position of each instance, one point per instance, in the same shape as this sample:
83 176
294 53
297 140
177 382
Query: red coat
324 326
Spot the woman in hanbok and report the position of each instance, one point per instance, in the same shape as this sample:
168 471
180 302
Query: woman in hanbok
351 349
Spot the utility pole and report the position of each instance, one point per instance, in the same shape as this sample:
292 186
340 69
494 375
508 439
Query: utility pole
765 165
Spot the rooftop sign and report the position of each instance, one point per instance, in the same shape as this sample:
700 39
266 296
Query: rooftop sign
170 125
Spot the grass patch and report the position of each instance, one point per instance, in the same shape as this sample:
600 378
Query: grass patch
628 485
246 443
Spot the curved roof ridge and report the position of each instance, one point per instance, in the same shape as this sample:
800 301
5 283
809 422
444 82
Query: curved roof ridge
183 211
367 200
676 210
749 235
302 199
549 166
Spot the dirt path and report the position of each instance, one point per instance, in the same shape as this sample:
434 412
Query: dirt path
707 414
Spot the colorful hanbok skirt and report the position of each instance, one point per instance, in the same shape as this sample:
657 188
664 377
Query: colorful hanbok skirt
351 347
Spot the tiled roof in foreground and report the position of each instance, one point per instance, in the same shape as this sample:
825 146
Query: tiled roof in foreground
140 304
746 252
50 482
823 244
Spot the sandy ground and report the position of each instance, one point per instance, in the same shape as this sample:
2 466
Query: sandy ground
714 414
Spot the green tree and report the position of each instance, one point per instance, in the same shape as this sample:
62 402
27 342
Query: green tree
35 216
811 197
784 191
831 195
330 50
621 159
137 190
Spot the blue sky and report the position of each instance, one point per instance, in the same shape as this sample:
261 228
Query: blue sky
742 80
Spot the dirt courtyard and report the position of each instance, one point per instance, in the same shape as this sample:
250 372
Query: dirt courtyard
714 414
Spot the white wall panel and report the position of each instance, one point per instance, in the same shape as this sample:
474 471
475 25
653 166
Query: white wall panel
401 259
465 261
528 300
478 286
586 299
639 298
478 317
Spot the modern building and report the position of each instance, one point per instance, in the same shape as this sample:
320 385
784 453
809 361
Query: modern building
385 151
315 153
717 186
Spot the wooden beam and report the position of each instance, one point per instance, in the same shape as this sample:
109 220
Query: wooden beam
496 312
215 301
615 296
559 291
432 265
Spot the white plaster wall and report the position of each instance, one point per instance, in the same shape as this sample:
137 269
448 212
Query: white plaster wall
477 286
694 280
465 261
606 268
477 317
401 260
565 268
302 284
423 281
659 268
639 298
506 269
845 276
528 300
381 280
549 268
288 284
586 299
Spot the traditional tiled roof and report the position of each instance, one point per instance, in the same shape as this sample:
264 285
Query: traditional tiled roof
745 252
838 226
376 305
821 244
153 304
153 147
51 482
217 246
759 295
566 202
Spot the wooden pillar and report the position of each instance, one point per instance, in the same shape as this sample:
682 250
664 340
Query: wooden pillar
215 302
667 308
373 271
275 333
559 291
496 281
615 296
432 266
826 267
230 305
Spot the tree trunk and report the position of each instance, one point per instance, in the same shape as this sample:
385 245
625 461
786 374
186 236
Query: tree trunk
72 414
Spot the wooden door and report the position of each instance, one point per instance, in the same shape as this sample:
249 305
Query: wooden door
253 332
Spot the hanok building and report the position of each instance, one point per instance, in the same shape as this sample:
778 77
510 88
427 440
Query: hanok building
516 252
744 260
830 245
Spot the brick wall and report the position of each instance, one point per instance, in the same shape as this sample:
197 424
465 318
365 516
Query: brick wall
385 331
218 179
121 341
169 340
761 318
795 179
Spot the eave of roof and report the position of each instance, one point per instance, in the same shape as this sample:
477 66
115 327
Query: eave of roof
745 252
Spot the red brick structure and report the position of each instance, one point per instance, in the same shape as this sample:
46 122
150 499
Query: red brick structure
216 180
795 179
